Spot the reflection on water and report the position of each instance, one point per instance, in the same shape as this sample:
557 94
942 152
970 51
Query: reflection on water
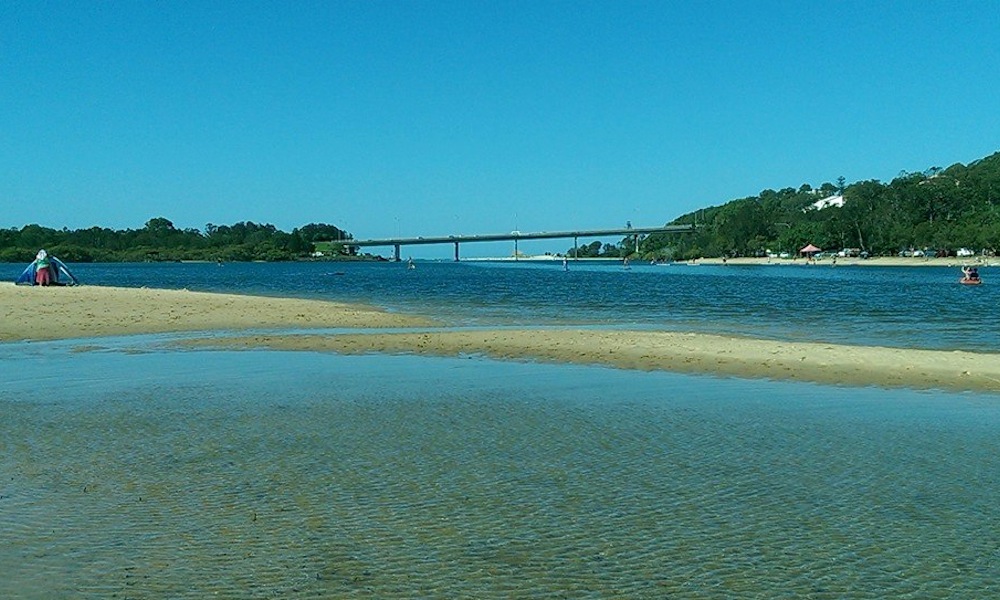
268 475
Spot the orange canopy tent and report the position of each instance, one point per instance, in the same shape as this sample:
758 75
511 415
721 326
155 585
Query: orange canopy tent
810 249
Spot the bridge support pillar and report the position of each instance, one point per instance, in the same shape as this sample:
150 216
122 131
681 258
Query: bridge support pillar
396 253
456 251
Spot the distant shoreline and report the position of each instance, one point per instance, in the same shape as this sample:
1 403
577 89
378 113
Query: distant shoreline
879 261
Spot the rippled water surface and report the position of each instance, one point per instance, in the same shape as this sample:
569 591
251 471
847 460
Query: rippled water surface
270 475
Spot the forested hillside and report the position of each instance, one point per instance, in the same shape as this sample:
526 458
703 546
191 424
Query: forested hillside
937 209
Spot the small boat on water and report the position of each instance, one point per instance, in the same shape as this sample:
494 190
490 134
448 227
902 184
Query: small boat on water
970 276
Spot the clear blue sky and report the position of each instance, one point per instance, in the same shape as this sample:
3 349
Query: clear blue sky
436 118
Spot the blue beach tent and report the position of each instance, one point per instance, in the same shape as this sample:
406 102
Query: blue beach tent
59 274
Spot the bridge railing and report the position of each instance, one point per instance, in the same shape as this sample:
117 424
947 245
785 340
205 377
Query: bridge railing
517 235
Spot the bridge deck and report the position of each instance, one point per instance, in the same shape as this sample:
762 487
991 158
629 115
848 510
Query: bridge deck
517 235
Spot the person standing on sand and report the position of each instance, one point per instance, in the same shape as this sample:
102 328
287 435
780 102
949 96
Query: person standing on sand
43 276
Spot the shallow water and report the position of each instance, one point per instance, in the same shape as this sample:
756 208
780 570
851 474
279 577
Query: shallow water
265 474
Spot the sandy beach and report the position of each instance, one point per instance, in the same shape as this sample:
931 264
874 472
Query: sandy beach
878 261
35 313
49 313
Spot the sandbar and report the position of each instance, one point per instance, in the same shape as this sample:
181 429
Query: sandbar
251 322
670 351
50 313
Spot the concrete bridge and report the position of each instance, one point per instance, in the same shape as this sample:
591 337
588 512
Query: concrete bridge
516 236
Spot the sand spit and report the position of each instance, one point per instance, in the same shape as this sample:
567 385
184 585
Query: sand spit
668 351
49 313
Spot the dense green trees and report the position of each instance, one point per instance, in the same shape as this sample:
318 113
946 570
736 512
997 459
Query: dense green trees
596 249
160 240
939 209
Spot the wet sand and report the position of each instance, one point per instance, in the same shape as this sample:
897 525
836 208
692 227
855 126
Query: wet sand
86 312
669 351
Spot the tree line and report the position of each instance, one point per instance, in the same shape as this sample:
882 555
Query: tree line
159 240
939 210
